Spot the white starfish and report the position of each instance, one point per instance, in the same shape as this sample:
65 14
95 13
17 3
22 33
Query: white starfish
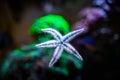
60 42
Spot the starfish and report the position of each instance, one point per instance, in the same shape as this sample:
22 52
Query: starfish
60 43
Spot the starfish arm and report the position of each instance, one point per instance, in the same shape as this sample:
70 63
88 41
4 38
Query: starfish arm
51 43
69 48
53 32
72 35
56 55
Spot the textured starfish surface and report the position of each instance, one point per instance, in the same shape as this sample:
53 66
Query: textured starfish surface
60 43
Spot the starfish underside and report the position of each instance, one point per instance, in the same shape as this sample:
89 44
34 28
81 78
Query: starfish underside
60 43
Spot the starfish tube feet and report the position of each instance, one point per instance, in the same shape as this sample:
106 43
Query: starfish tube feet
56 55
69 48
53 32
72 35
51 43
